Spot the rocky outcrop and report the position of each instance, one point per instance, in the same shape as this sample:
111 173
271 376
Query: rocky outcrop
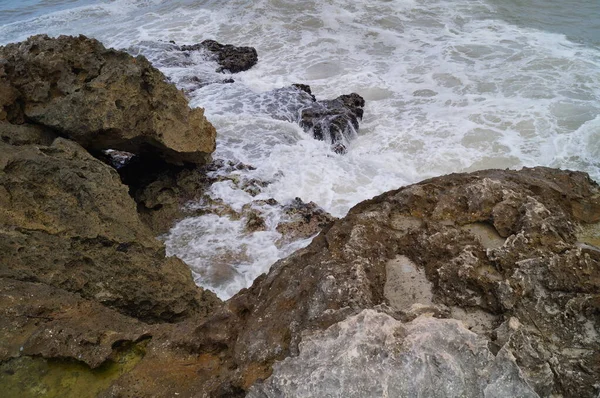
498 250
67 221
502 262
231 59
101 98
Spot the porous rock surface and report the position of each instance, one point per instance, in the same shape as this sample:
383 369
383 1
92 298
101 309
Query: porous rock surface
503 266
67 221
231 58
483 284
101 98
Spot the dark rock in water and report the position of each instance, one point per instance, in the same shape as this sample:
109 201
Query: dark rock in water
120 102
305 88
67 221
231 59
334 121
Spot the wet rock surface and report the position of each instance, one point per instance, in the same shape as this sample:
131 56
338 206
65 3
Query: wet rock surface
334 121
121 102
231 58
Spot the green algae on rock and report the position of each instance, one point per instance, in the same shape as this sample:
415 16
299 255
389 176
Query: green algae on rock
33 377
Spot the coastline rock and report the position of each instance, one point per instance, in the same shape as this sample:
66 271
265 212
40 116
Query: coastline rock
100 98
231 59
531 273
67 221
502 261
302 220
41 320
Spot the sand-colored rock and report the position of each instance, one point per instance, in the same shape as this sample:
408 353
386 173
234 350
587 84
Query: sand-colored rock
101 98
67 221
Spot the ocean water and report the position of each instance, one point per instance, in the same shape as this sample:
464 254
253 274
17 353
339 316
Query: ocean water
450 85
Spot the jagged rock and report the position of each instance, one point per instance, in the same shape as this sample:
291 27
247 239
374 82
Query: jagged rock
231 59
373 355
302 220
501 262
67 221
101 98
538 277
334 121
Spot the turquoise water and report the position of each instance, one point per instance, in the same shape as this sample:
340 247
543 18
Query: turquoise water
19 10
579 20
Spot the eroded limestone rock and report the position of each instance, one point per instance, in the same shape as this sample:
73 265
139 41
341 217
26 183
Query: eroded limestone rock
67 221
373 355
101 98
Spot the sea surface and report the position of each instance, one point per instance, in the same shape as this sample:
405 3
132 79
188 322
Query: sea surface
450 85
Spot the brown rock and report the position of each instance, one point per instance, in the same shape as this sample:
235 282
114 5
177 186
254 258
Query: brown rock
539 276
67 221
101 98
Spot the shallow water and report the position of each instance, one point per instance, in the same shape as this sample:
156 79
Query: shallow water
450 86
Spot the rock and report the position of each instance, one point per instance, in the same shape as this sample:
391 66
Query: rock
41 320
334 121
539 279
302 220
506 301
166 194
120 102
373 355
67 221
231 59
25 134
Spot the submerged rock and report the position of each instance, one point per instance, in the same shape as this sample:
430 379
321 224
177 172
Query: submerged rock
101 98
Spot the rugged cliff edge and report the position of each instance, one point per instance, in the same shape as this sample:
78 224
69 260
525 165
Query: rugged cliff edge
100 98
483 284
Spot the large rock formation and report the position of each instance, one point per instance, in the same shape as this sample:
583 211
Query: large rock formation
504 252
101 98
501 262
483 284
505 263
66 220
